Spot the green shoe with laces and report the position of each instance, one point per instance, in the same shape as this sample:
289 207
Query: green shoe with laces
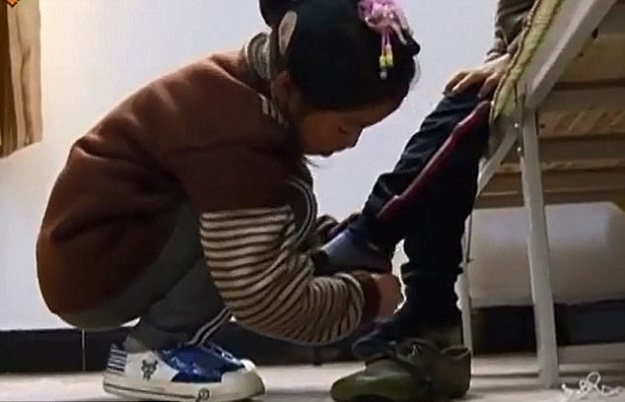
414 370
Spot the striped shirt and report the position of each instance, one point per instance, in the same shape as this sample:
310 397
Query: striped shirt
271 288
268 284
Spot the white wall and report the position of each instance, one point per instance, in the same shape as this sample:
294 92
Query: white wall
95 52
586 249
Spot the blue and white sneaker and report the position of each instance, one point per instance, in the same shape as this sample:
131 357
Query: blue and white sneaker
188 373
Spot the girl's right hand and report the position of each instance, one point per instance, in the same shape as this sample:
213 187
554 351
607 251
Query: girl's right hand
390 294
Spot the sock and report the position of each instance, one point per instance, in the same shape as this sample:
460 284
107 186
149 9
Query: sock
348 249
132 345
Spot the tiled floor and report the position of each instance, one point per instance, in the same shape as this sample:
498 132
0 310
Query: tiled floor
501 379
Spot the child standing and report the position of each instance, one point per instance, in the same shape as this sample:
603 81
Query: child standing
190 202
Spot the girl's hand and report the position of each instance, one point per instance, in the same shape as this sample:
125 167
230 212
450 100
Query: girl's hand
390 294
342 225
488 75
325 267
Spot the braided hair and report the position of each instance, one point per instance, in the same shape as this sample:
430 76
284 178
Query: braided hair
342 54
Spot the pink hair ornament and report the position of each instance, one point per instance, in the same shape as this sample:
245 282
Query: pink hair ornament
385 17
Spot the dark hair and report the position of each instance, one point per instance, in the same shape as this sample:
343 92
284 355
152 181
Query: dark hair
334 57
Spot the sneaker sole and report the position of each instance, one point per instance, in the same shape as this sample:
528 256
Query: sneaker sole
370 398
237 386
353 389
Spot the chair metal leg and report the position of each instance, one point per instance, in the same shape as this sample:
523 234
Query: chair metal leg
539 252
463 287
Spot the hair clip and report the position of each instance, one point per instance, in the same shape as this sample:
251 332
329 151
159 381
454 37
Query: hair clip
386 18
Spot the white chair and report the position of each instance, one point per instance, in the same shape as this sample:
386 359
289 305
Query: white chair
571 66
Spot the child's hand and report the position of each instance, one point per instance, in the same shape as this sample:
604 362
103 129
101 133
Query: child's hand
326 267
488 75
390 294
341 226
327 227
348 252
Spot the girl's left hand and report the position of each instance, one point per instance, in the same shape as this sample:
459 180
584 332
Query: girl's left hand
325 267
342 225
327 228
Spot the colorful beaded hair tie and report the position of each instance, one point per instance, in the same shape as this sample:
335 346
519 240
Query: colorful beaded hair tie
385 17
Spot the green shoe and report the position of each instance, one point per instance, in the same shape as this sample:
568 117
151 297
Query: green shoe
411 371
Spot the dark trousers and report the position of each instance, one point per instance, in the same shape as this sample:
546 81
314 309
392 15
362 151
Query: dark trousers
176 300
433 226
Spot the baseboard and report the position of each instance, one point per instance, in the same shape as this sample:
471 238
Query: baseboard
504 329
497 330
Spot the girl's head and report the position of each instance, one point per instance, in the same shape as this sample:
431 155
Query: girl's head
339 66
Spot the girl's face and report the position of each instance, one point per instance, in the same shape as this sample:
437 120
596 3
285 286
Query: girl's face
324 133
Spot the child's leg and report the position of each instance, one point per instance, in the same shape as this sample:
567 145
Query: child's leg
436 223
172 342
433 226
167 355
432 229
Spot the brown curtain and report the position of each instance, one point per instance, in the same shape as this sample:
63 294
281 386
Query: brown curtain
8 124
20 76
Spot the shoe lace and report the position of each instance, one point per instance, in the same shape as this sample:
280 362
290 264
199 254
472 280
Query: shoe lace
218 350
414 351
407 351
408 355
591 387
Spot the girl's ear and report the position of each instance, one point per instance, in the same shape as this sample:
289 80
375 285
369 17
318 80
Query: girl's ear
288 96
282 88
286 30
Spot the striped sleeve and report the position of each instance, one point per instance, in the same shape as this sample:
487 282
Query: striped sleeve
510 18
269 287
250 248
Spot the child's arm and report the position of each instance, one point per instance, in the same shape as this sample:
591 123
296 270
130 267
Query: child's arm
246 224
509 19
247 233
